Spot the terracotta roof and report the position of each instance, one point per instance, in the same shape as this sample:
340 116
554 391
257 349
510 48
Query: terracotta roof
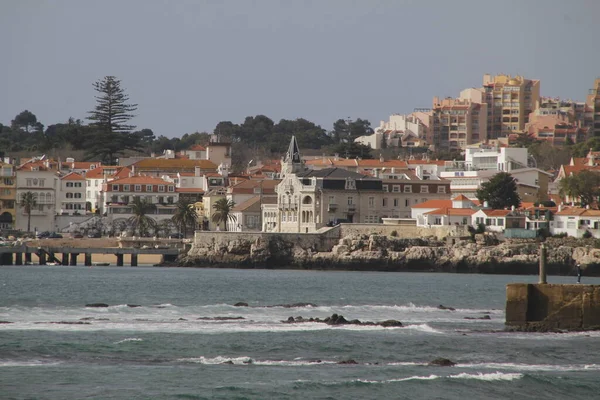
461 197
98 173
197 147
268 186
187 173
174 163
376 163
452 211
39 164
426 162
73 176
440 204
253 204
141 180
575 211
496 213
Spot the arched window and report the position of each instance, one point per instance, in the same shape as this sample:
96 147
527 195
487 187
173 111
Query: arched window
49 197
42 198
307 200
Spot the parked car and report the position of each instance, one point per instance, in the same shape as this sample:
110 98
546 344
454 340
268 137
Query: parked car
94 235
55 235
42 235
77 236
176 236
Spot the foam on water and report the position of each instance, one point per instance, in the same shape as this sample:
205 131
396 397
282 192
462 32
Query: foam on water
533 367
129 340
247 360
494 376
422 328
31 363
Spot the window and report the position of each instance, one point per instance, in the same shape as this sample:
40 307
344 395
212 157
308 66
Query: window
96 183
161 188
438 221
395 188
77 184
29 182
126 188
385 188
395 202
69 195
406 203
283 217
115 188
77 195
384 202
500 222
371 202
137 188
441 189
331 200
350 200
407 189
171 188
424 189
170 200
148 188
69 184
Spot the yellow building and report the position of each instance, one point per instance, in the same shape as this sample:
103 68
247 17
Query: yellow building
510 100
8 196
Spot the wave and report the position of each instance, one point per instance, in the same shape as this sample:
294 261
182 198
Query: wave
494 376
422 328
533 367
218 360
31 363
129 340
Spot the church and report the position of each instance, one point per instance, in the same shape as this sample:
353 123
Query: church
308 200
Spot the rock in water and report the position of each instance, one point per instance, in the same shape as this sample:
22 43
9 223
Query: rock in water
443 307
442 362
390 323
347 362
241 304
97 305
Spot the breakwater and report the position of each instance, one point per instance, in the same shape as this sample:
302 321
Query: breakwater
341 249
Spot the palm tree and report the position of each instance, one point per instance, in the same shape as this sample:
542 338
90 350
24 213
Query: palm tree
139 220
28 202
185 215
222 212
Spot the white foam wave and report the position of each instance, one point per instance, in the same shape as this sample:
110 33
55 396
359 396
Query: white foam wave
129 340
422 328
416 377
533 367
32 363
247 360
493 376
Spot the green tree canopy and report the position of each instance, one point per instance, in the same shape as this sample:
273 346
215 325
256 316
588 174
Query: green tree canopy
499 192
185 216
110 136
28 201
26 121
351 150
584 185
140 221
222 213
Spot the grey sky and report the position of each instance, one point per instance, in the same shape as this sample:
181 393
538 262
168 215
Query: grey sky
191 64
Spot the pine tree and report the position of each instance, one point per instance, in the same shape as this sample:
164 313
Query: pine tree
111 133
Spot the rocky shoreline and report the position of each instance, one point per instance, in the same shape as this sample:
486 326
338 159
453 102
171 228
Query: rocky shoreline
485 253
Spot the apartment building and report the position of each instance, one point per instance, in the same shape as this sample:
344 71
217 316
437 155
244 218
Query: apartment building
457 123
510 101
95 180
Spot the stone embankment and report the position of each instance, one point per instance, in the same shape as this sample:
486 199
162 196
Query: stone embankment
483 254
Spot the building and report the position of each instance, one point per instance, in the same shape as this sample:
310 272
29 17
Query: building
593 102
456 211
309 199
40 177
158 166
247 216
95 179
118 193
510 101
72 194
208 201
457 123
559 123
399 131
576 221
8 195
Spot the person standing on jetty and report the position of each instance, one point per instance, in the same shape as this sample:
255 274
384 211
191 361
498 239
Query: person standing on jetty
578 273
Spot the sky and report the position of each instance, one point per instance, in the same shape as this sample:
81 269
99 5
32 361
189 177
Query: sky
190 64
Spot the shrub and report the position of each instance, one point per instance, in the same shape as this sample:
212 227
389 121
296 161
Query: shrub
394 233
587 235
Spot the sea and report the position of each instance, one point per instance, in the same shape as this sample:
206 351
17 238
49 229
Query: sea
185 338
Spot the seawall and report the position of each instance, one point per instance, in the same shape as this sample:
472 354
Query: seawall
552 307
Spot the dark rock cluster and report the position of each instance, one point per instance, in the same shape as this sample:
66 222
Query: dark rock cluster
336 319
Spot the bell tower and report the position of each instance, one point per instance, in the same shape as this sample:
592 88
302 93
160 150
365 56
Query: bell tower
292 163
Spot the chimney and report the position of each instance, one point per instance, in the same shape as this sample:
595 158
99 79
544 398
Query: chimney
197 171
381 159
336 157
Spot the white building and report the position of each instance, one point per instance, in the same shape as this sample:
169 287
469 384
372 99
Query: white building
72 194
39 176
575 221
96 178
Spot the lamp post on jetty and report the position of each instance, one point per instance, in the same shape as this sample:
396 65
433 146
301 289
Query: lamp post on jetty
543 259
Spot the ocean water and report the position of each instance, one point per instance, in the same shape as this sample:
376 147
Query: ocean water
162 350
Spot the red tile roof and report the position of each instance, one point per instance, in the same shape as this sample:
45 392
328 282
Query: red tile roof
452 211
73 176
141 180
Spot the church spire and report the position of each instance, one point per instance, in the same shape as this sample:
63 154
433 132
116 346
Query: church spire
293 153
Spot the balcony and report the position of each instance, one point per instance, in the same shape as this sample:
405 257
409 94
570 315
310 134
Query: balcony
351 209
332 207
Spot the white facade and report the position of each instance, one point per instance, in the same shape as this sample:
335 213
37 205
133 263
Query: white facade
44 185
72 194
